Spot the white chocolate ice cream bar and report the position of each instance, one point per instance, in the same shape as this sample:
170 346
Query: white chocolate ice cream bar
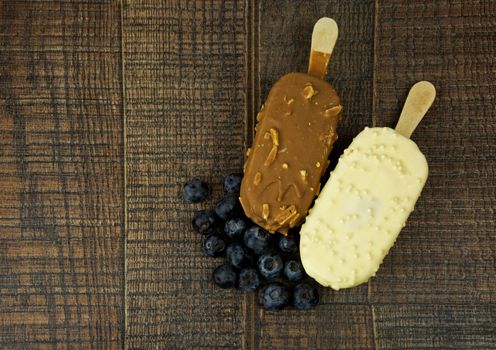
362 208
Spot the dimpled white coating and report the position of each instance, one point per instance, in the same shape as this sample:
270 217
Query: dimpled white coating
362 208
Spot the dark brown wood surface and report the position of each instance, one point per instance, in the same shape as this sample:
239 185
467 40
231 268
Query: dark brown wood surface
61 152
107 107
185 110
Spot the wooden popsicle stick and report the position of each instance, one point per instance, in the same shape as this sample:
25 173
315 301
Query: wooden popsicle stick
418 102
324 36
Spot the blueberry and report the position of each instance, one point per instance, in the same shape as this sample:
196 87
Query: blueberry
257 239
195 191
228 208
234 228
305 296
288 244
237 256
204 222
214 245
293 270
232 183
270 265
249 280
225 276
275 296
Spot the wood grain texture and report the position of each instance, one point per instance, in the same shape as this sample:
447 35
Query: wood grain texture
61 275
185 83
107 107
436 326
437 286
446 252
329 326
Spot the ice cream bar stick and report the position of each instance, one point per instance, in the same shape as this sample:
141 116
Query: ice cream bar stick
325 34
419 99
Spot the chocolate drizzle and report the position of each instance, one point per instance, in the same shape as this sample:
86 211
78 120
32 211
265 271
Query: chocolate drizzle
281 192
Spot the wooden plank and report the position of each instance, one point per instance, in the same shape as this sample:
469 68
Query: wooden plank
329 326
184 87
438 281
61 184
344 319
446 252
437 326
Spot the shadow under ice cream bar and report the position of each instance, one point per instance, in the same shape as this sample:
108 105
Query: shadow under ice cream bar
367 200
295 133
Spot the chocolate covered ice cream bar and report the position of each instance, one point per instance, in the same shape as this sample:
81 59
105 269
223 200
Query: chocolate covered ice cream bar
294 136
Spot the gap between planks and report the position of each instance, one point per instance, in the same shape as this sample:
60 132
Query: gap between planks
122 3
252 86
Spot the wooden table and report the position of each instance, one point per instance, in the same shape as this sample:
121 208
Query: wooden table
107 108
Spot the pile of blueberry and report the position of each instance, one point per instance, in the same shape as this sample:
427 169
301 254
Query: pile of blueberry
254 258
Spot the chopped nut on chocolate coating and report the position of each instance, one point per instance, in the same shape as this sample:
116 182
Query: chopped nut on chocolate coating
293 220
303 174
332 111
285 166
265 211
275 136
271 157
287 214
308 91
257 179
